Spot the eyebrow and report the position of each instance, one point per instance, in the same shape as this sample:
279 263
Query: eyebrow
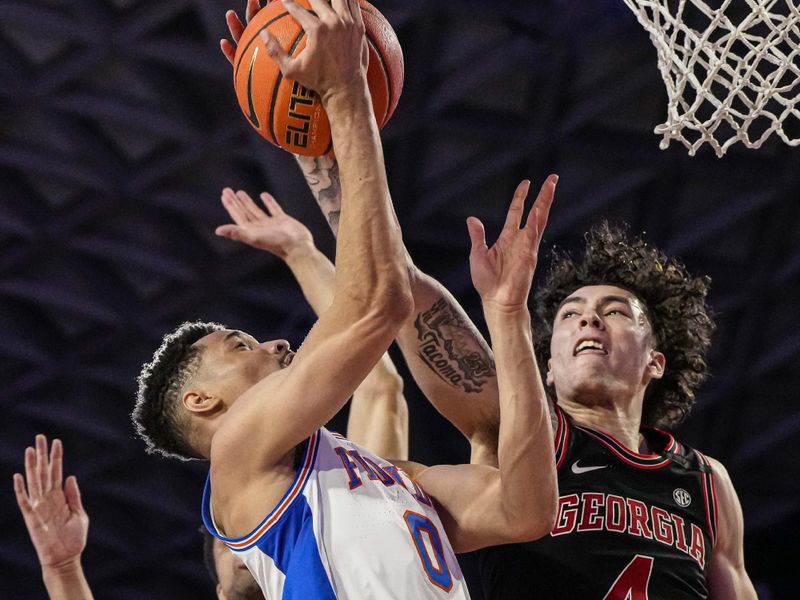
233 334
605 300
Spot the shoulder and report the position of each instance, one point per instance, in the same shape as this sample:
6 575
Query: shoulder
727 576
728 510
723 485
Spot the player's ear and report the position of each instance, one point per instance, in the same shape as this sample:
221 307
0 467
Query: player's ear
656 364
549 378
220 593
197 401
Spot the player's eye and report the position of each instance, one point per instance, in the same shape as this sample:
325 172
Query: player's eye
242 345
568 314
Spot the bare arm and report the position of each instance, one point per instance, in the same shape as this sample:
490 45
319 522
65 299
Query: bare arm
447 355
378 411
727 577
322 177
378 417
56 521
481 505
371 296
371 292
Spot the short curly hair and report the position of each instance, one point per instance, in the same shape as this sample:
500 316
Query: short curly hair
156 416
674 302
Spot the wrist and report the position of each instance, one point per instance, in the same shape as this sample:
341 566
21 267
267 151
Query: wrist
505 310
299 253
63 568
346 96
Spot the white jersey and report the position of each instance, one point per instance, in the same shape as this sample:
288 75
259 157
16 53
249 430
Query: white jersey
350 527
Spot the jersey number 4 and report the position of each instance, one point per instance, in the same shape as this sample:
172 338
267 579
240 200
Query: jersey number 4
632 583
422 529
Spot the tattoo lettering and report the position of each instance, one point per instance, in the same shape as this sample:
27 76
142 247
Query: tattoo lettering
322 176
452 349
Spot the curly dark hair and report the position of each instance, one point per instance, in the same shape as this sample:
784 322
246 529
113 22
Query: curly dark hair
156 416
674 303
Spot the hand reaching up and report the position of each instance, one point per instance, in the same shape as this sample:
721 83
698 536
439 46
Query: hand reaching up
236 27
271 230
502 274
53 513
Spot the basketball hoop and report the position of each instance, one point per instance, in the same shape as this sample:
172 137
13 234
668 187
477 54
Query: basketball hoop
732 73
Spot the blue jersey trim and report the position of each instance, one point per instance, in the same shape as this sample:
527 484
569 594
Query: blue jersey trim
292 546
295 488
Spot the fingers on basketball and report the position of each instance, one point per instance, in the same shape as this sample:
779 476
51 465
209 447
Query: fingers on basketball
276 105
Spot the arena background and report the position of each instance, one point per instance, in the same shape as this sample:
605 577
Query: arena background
119 127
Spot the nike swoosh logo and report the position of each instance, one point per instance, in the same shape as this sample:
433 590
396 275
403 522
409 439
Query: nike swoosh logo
578 470
252 117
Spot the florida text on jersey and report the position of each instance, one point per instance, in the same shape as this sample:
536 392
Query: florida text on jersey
350 526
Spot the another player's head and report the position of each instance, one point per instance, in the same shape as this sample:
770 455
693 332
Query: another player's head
195 376
623 293
231 576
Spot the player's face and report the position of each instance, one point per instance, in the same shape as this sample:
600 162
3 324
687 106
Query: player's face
602 346
235 581
234 361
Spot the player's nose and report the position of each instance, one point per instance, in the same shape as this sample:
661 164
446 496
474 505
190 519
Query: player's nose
275 346
591 318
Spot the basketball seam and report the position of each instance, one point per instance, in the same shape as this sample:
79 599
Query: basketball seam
277 88
386 77
380 17
252 39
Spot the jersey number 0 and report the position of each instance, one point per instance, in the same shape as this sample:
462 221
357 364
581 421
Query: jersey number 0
421 527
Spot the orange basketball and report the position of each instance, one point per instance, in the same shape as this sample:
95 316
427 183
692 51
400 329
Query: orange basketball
283 111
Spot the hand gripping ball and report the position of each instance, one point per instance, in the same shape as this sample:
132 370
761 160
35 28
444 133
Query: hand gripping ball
286 113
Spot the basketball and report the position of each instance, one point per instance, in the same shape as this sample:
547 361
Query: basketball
286 113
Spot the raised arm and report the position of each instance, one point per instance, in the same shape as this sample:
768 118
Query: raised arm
480 505
378 417
727 577
447 355
56 521
371 293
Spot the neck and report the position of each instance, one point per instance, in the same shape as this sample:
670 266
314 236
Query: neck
621 420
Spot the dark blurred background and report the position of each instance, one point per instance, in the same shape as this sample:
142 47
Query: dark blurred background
119 127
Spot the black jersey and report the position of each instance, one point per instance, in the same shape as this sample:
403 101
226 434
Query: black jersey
629 526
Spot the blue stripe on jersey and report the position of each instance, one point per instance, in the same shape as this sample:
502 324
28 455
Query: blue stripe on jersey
292 545
296 488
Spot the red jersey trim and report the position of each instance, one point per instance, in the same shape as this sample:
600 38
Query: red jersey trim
634 459
562 436
710 497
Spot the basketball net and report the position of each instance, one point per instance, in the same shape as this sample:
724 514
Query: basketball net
732 73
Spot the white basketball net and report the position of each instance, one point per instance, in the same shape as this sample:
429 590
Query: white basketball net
737 80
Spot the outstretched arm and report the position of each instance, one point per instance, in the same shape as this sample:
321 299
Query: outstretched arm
371 292
56 521
727 577
447 355
480 505
378 411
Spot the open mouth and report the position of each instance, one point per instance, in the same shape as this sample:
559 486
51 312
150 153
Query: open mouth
590 347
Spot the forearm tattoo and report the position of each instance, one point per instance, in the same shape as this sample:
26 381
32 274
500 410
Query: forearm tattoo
322 176
452 349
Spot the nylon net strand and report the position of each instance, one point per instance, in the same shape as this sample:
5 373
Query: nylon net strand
732 72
